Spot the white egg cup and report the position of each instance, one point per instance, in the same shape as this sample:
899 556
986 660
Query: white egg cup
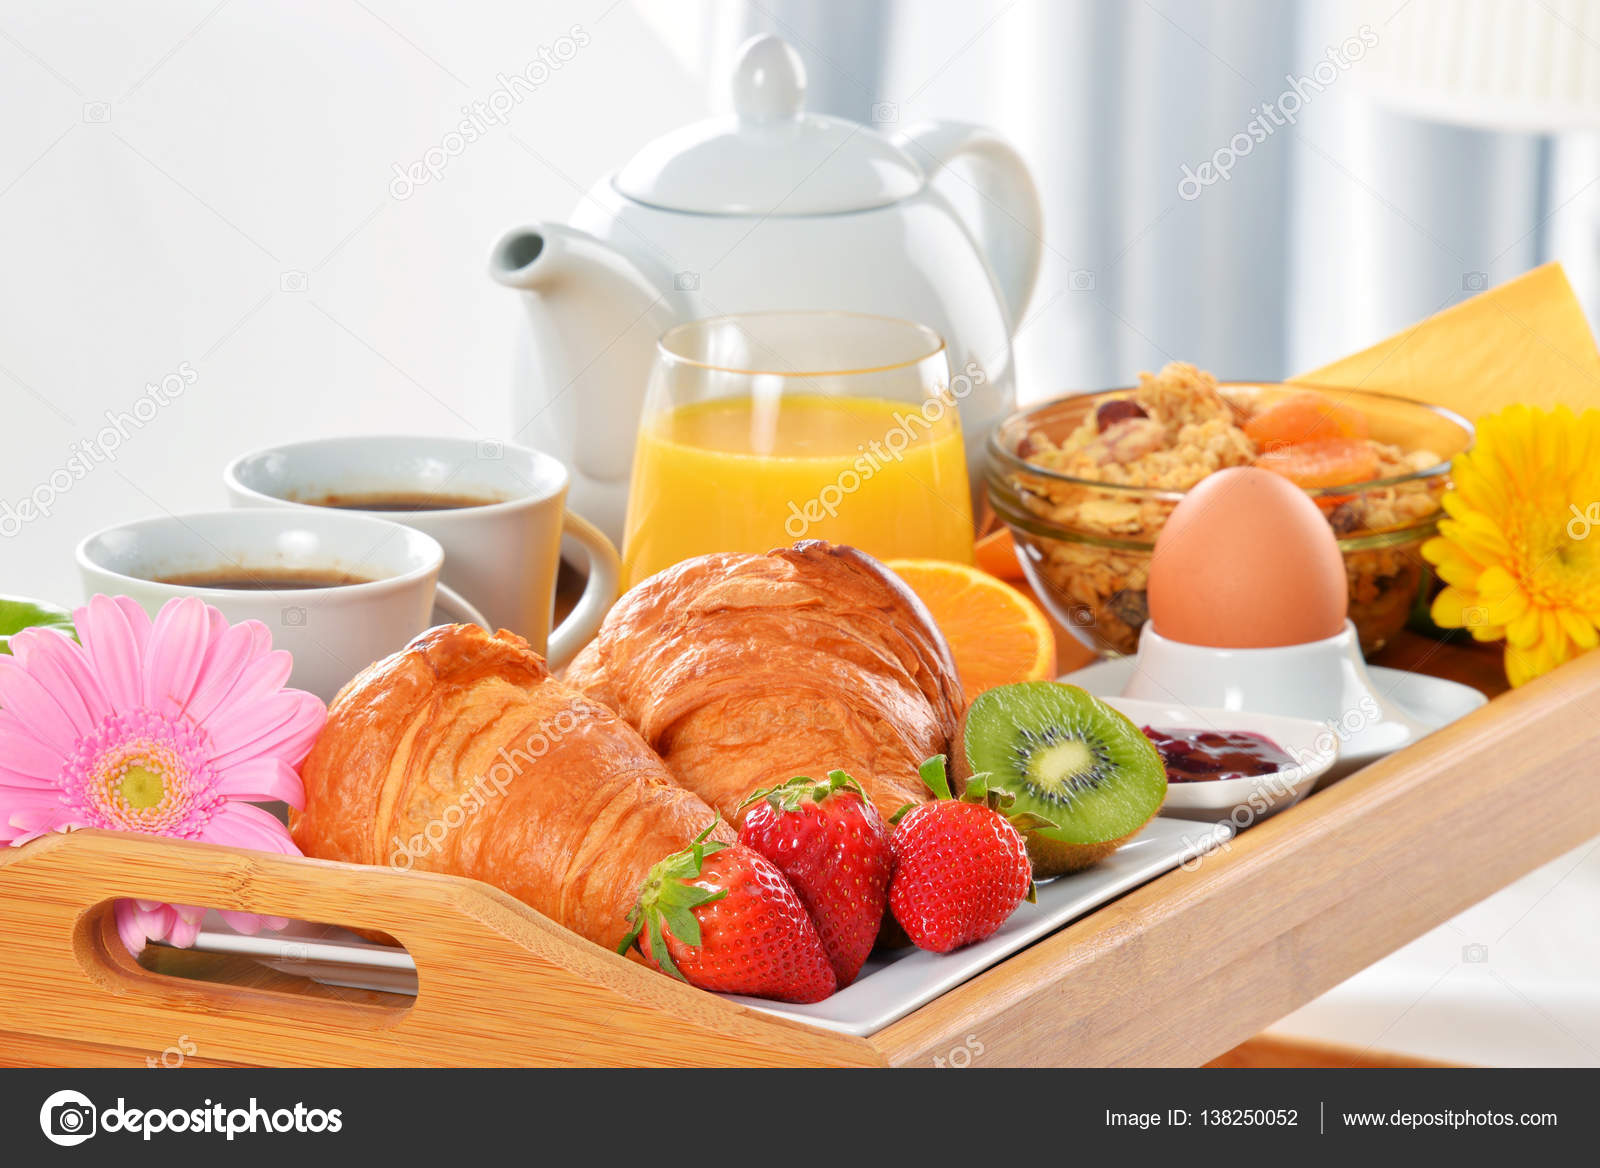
1326 681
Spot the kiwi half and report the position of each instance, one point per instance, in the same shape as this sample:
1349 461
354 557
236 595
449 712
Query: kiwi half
1067 756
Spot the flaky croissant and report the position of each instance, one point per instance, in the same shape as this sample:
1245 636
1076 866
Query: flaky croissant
462 754
744 671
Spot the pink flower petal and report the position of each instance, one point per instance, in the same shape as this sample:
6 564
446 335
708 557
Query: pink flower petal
24 753
185 925
283 726
22 821
114 637
259 678
263 779
229 652
177 648
126 914
243 825
136 924
30 700
251 923
11 780
33 645
43 653
138 621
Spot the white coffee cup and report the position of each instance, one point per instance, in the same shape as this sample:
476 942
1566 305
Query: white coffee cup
333 631
503 554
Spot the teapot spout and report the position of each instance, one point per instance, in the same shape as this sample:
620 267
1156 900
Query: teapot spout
533 258
592 319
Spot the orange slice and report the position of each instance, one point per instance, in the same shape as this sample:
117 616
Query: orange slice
1327 462
996 554
1305 417
996 634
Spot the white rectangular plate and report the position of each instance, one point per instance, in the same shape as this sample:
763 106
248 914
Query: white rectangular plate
890 986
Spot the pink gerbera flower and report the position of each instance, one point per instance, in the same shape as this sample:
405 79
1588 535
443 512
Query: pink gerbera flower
167 728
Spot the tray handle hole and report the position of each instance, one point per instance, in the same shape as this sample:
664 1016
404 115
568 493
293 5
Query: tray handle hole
363 975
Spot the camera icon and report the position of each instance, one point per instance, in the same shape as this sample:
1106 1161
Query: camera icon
1474 617
885 111
293 282
1474 281
491 449
97 113
67 1118
1080 280
1081 616
686 282
1475 954
294 617
296 951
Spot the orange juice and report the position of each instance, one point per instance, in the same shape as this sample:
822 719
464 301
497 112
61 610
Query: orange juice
745 474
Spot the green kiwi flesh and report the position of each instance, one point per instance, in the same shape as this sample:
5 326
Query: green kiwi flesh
1067 756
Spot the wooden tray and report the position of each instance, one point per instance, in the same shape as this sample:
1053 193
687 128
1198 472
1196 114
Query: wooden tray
1174 973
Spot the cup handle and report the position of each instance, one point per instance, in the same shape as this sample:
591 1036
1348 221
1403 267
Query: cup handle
455 605
605 578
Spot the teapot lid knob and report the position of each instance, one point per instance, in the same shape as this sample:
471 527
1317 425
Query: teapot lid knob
769 80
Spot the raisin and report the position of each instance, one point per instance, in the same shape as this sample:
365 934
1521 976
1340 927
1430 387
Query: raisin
1117 410
1344 518
1130 607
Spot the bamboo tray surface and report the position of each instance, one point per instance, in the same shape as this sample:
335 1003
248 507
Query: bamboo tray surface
1175 972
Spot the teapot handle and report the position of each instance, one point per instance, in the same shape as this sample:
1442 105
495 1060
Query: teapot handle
1009 225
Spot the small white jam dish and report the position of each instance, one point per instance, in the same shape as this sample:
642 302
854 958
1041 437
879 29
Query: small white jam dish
1242 801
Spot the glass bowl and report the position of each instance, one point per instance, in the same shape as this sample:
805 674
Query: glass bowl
1085 545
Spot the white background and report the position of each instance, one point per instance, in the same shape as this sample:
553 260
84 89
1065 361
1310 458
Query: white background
210 183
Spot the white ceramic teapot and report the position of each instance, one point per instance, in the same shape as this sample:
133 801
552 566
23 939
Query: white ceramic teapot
767 208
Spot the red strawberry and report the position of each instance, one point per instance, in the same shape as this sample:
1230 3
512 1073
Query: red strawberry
961 867
722 917
833 845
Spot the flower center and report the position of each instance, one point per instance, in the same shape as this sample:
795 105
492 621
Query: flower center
144 772
142 788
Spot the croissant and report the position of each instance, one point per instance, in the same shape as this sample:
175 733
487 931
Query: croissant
461 753
744 671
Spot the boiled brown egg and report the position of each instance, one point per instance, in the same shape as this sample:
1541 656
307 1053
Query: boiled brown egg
1247 561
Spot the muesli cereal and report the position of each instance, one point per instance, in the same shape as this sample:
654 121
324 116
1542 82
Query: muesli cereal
1159 440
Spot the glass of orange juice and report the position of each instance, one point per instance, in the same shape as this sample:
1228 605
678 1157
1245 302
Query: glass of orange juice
765 428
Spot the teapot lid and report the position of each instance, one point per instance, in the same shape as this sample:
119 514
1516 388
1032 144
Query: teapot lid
770 157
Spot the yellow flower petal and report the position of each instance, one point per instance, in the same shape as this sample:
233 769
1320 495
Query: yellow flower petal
1523 633
1581 629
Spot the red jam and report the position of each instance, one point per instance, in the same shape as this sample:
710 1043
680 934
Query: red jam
1203 756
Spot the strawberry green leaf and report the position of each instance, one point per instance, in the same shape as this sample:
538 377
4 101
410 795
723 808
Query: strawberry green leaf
668 898
1026 821
933 776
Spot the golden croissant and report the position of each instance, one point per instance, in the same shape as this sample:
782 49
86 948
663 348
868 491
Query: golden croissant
744 671
462 754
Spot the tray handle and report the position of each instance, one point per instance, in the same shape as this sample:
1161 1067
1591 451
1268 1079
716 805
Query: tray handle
497 982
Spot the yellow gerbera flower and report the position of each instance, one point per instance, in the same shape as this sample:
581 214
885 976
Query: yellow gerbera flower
1520 551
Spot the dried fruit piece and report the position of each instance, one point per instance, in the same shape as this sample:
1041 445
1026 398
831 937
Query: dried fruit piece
1305 417
1327 462
1117 410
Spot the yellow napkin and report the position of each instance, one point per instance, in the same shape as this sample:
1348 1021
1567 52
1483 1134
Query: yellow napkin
1524 341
